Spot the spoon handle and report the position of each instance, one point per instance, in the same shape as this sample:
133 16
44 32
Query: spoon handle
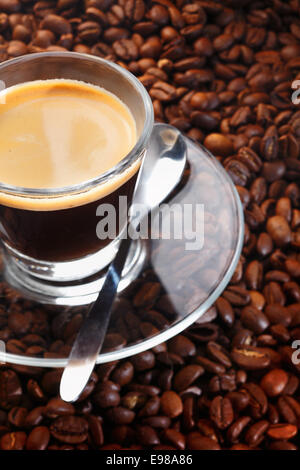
92 332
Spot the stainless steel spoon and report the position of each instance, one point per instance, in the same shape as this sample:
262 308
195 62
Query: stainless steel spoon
161 170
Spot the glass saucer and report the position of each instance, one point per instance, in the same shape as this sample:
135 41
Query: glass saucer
169 284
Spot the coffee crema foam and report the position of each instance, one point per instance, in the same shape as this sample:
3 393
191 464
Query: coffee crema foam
59 133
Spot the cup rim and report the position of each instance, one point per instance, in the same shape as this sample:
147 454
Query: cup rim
123 164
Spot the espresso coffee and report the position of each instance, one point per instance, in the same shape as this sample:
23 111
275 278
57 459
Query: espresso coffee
57 134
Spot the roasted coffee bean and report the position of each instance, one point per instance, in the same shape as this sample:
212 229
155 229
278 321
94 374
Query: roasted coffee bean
104 371
17 416
257 300
88 31
282 431
56 24
223 382
211 366
120 415
21 33
133 400
207 428
282 445
277 276
10 389
13 441
273 171
225 311
273 414
57 407
255 433
174 438
250 358
16 48
249 158
151 407
169 359
233 433
4 22
274 382
149 390
264 244
258 400
239 400
115 34
279 230
122 435
221 412
218 353
276 313
203 332
163 91
269 143
43 38
254 275
237 296
95 428
34 417
147 436
106 395
70 429
134 10
219 144
258 190
123 374
205 101
196 441
159 14
188 417
38 438
152 48
146 296
187 376
293 267
10 6
289 409
143 361
50 381
160 422
182 346
171 404
292 385
254 319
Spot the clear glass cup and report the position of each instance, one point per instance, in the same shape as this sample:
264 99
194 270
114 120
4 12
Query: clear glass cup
60 245
189 281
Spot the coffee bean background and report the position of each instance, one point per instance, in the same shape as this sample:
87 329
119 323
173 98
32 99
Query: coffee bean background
221 72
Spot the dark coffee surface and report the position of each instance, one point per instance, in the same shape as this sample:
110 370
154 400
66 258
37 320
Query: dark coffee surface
59 235
222 73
